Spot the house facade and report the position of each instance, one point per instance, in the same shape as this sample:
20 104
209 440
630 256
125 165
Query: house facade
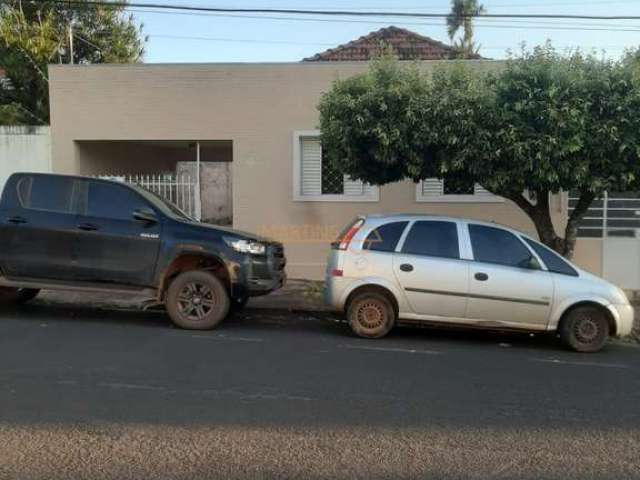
262 120
248 134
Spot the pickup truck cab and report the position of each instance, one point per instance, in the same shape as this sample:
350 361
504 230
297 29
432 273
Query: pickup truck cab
78 233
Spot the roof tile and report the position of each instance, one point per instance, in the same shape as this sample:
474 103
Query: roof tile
407 45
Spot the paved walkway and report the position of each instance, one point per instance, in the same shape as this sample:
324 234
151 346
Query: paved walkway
297 295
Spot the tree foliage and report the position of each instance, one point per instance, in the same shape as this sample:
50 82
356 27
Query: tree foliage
461 18
34 34
542 124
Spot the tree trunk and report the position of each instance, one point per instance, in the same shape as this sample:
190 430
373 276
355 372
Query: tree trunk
540 215
571 230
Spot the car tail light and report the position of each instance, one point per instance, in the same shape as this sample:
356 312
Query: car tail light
344 239
336 272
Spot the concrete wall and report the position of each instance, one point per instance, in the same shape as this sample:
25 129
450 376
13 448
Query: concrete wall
216 190
257 107
24 149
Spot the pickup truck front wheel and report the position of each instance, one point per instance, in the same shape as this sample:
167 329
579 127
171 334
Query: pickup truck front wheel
197 300
13 296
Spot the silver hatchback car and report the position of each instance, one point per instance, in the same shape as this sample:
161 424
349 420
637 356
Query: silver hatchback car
385 268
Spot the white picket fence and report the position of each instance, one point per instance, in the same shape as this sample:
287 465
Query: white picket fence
180 190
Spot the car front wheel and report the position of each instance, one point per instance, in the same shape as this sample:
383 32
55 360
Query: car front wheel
585 329
197 300
371 315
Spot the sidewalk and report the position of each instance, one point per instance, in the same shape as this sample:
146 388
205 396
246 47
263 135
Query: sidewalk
297 295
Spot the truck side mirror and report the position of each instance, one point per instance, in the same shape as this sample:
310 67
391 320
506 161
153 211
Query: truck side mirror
145 215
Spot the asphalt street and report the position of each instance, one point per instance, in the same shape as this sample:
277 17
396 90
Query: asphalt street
97 394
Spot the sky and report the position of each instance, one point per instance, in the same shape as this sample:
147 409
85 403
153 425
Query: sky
179 37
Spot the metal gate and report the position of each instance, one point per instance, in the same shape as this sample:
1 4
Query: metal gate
180 190
615 218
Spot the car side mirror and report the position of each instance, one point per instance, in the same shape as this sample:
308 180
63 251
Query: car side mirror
145 215
531 263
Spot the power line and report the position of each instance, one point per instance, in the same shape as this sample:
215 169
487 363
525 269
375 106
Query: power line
373 22
354 13
240 40
288 42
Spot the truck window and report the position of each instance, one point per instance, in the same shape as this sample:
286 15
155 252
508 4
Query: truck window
47 193
117 202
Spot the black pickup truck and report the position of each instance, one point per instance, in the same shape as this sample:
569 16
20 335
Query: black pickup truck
78 233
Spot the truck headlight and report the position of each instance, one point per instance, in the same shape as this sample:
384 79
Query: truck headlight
246 246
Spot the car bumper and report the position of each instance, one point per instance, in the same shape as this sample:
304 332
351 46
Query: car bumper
624 316
262 275
334 291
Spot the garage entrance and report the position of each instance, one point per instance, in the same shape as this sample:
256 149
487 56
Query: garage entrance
195 175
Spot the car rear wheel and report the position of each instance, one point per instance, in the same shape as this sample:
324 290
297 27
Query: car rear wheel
197 300
371 315
13 296
585 329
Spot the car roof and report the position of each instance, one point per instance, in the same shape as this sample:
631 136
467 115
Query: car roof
112 179
410 217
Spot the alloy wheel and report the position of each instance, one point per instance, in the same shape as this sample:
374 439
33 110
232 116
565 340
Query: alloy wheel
196 300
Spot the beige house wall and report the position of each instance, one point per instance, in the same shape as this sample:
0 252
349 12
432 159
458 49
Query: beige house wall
257 107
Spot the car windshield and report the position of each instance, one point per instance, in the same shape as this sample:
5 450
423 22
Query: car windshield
165 206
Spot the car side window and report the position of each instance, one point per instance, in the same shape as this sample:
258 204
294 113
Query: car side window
385 237
433 238
494 245
46 193
552 260
105 200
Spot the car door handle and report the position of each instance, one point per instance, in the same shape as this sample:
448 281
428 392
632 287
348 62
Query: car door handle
481 276
406 267
88 227
17 220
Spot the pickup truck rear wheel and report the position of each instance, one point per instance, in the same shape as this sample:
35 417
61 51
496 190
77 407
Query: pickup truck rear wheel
197 300
12 296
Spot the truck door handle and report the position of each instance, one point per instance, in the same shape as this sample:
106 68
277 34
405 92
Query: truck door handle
88 227
406 267
17 220
481 276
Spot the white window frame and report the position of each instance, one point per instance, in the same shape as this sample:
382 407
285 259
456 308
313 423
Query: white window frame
453 198
373 195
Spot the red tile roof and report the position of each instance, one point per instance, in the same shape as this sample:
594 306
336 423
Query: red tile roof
407 45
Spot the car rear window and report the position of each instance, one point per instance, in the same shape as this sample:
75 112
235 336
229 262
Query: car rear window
385 237
551 259
433 238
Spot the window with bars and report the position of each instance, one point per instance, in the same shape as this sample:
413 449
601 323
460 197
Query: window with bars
436 190
317 180
616 214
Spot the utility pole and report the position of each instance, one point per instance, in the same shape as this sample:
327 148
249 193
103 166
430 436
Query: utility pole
70 43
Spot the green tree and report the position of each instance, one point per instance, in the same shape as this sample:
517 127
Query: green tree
542 124
34 34
461 17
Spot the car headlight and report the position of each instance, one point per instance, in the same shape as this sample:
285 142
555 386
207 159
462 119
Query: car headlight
246 246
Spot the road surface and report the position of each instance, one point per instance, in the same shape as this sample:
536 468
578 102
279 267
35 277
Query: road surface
95 394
